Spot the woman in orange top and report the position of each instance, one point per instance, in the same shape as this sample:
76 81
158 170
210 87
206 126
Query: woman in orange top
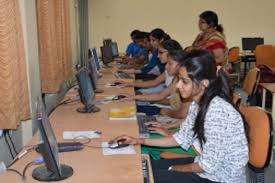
211 37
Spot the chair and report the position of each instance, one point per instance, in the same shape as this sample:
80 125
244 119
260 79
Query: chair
260 132
250 85
265 55
234 63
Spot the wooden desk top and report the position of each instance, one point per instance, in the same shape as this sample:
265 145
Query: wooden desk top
269 86
89 164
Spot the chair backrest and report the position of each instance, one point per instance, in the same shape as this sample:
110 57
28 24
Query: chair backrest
260 132
265 55
251 81
233 54
237 99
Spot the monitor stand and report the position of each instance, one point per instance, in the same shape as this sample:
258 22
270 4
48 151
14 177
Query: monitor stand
106 66
88 109
97 90
43 174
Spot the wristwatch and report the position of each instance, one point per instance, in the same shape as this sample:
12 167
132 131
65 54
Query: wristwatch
170 168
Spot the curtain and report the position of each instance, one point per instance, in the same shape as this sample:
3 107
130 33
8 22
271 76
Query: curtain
14 105
54 43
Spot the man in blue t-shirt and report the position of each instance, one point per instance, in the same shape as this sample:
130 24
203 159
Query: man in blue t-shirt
133 48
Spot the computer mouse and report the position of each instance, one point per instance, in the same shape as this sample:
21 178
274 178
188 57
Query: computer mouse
117 144
115 83
118 97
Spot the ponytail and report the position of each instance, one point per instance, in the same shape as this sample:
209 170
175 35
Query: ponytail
219 28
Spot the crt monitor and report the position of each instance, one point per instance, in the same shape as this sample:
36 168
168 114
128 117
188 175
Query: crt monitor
250 43
53 170
114 47
94 55
107 55
86 92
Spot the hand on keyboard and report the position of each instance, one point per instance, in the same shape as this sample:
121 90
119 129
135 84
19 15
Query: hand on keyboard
159 130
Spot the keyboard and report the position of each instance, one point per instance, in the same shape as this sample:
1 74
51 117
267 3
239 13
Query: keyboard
145 170
143 130
123 75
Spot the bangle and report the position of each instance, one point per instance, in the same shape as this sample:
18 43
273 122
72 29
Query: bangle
170 168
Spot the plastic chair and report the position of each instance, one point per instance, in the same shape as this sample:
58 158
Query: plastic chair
250 86
265 55
234 62
260 132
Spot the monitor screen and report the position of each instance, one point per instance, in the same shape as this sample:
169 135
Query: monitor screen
107 55
107 42
250 44
86 92
114 47
48 148
94 55
93 72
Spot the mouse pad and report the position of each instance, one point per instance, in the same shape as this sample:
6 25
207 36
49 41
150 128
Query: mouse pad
124 150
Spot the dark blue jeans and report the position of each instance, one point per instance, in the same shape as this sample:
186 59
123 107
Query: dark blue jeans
162 175
148 110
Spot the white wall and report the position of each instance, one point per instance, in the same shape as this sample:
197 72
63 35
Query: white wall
117 18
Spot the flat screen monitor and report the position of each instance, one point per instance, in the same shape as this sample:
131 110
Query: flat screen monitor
94 55
53 170
107 55
86 91
107 42
94 75
250 44
114 47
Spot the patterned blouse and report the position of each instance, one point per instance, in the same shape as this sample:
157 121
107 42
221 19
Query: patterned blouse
224 155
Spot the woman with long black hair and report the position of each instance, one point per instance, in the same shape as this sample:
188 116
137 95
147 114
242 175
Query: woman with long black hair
213 126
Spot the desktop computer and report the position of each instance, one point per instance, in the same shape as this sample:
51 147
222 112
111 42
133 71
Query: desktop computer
53 170
250 44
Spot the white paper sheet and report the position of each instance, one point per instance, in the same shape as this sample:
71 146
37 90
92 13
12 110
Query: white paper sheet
124 150
80 134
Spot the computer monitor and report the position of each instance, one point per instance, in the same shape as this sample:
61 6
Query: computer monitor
94 55
107 42
107 55
86 92
94 75
52 170
250 44
114 47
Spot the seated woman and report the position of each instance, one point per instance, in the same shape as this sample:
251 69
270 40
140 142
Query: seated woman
163 80
174 58
213 126
211 37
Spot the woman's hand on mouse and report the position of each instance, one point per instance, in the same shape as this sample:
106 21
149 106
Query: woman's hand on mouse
128 97
125 139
